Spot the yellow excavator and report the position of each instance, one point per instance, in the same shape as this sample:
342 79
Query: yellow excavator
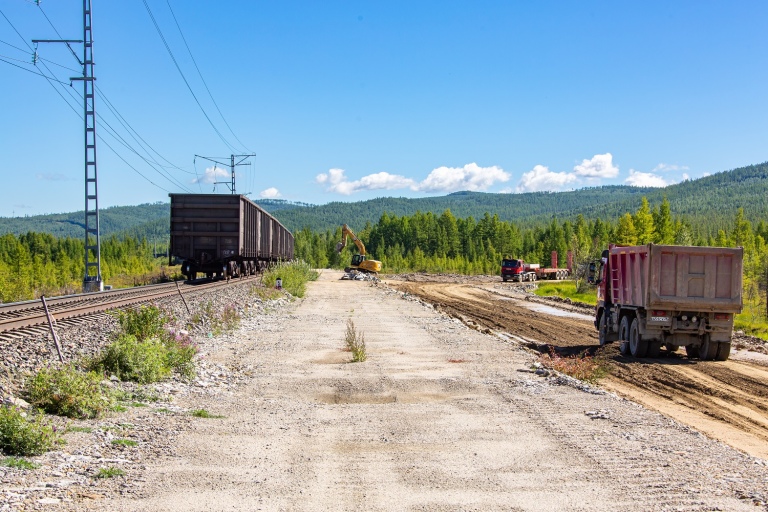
358 260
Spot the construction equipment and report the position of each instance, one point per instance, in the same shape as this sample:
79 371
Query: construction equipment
519 270
359 262
651 296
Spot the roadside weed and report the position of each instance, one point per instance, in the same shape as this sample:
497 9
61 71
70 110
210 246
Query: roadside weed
109 472
202 413
18 463
355 342
583 367
124 442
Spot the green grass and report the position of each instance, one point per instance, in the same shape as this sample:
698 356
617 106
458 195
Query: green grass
124 442
18 463
565 289
752 320
164 410
295 276
73 428
109 472
202 413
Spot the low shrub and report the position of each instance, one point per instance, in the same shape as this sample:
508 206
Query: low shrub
24 436
583 367
216 322
146 361
143 323
68 392
355 342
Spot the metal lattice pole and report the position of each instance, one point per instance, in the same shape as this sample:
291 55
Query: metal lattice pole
92 281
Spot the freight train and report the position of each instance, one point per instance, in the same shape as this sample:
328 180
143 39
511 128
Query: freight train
225 236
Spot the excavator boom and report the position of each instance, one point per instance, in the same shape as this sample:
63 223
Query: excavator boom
358 260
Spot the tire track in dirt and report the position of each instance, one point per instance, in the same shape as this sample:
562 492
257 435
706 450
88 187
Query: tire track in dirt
726 400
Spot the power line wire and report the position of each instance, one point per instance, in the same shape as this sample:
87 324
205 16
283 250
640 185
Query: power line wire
128 127
168 48
200 74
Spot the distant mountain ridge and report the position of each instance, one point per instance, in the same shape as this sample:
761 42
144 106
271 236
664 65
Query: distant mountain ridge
708 203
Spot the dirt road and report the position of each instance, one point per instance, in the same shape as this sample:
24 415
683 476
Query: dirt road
726 400
440 417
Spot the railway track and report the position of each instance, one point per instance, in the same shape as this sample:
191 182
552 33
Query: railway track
28 316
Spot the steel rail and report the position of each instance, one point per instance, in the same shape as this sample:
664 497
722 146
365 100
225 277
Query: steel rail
20 315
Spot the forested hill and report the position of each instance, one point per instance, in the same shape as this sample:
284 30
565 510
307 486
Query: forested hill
708 203
150 221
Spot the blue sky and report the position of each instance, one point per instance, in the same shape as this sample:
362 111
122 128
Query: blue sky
346 101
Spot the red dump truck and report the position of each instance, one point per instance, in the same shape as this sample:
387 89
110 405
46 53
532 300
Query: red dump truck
519 270
651 296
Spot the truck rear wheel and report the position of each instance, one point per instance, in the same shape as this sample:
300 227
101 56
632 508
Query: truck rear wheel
723 351
624 336
637 346
654 348
708 348
692 351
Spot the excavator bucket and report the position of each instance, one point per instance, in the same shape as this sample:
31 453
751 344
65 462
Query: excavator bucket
339 246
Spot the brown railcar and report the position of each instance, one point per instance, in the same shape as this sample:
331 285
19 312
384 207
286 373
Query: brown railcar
225 235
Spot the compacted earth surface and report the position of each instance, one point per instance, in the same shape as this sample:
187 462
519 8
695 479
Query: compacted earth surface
447 413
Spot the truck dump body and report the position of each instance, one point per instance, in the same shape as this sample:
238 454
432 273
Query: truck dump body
677 277
667 295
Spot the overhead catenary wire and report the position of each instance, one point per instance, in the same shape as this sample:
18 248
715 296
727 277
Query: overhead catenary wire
132 131
110 130
200 74
186 82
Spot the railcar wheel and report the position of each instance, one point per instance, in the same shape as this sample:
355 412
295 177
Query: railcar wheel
637 346
708 348
624 336
723 351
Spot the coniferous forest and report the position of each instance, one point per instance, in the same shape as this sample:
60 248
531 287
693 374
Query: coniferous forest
726 209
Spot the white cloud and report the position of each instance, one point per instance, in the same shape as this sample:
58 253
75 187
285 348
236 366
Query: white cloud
470 177
270 193
212 175
669 167
645 179
686 177
336 181
442 179
600 166
541 178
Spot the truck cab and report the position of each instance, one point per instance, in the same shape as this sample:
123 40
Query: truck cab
511 268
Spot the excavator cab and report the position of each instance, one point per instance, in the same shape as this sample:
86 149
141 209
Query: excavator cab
357 259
